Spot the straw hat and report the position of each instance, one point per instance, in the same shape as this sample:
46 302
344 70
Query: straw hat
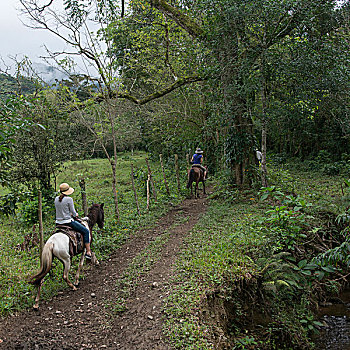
199 151
66 189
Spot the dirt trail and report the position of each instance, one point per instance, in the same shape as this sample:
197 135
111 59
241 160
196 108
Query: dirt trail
84 319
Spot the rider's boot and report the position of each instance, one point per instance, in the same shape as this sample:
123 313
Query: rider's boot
88 251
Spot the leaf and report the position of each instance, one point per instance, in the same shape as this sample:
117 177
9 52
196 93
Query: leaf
311 266
283 283
302 263
320 275
264 196
328 268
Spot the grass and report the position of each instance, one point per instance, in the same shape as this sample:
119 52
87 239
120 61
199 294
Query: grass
214 259
230 258
16 265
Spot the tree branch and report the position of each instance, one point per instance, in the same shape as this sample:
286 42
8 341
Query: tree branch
178 17
155 95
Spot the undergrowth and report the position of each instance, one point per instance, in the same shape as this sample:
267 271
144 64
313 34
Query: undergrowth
251 271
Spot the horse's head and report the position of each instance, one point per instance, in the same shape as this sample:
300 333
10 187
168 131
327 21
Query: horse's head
97 215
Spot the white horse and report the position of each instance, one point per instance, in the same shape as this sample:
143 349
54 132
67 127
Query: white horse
58 246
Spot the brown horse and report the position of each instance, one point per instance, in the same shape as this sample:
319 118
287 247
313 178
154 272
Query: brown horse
195 174
58 246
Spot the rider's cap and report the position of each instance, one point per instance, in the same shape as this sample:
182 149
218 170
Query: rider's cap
199 151
66 189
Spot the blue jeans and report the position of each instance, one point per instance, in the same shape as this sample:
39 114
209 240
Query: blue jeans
77 226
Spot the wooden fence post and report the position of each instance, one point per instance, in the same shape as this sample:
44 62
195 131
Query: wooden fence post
40 217
177 172
188 158
165 181
147 186
114 186
83 196
133 187
151 180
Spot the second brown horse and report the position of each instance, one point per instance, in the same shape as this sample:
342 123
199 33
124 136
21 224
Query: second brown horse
196 175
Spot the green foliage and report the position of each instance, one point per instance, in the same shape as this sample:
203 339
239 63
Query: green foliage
237 144
10 123
39 140
335 257
29 210
10 86
279 273
8 204
327 164
287 220
245 343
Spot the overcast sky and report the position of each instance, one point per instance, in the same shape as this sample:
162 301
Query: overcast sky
16 39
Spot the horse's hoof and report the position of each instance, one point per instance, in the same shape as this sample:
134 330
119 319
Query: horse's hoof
36 307
75 288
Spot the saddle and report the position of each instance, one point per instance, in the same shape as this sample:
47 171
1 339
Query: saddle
76 245
199 167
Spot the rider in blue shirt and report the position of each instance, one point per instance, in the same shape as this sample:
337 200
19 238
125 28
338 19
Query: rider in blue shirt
197 160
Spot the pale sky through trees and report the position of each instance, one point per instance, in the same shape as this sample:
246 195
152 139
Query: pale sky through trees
16 39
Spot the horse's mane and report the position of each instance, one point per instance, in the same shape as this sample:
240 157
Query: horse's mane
93 212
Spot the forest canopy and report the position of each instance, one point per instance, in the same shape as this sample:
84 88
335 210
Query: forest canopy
228 76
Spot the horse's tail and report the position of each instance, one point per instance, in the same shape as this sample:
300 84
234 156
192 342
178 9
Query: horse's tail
190 178
46 262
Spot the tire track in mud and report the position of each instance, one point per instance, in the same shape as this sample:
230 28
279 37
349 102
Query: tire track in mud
85 319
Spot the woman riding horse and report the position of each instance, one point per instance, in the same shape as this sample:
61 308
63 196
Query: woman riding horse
66 215
58 245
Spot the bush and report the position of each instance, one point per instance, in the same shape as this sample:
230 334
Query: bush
29 209
332 169
8 204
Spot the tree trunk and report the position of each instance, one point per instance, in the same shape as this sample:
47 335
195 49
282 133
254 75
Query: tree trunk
263 129
177 172
264 182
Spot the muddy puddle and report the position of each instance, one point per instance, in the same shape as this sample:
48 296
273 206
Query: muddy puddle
335 335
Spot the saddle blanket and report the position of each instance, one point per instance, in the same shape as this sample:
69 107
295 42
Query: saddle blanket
76 245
